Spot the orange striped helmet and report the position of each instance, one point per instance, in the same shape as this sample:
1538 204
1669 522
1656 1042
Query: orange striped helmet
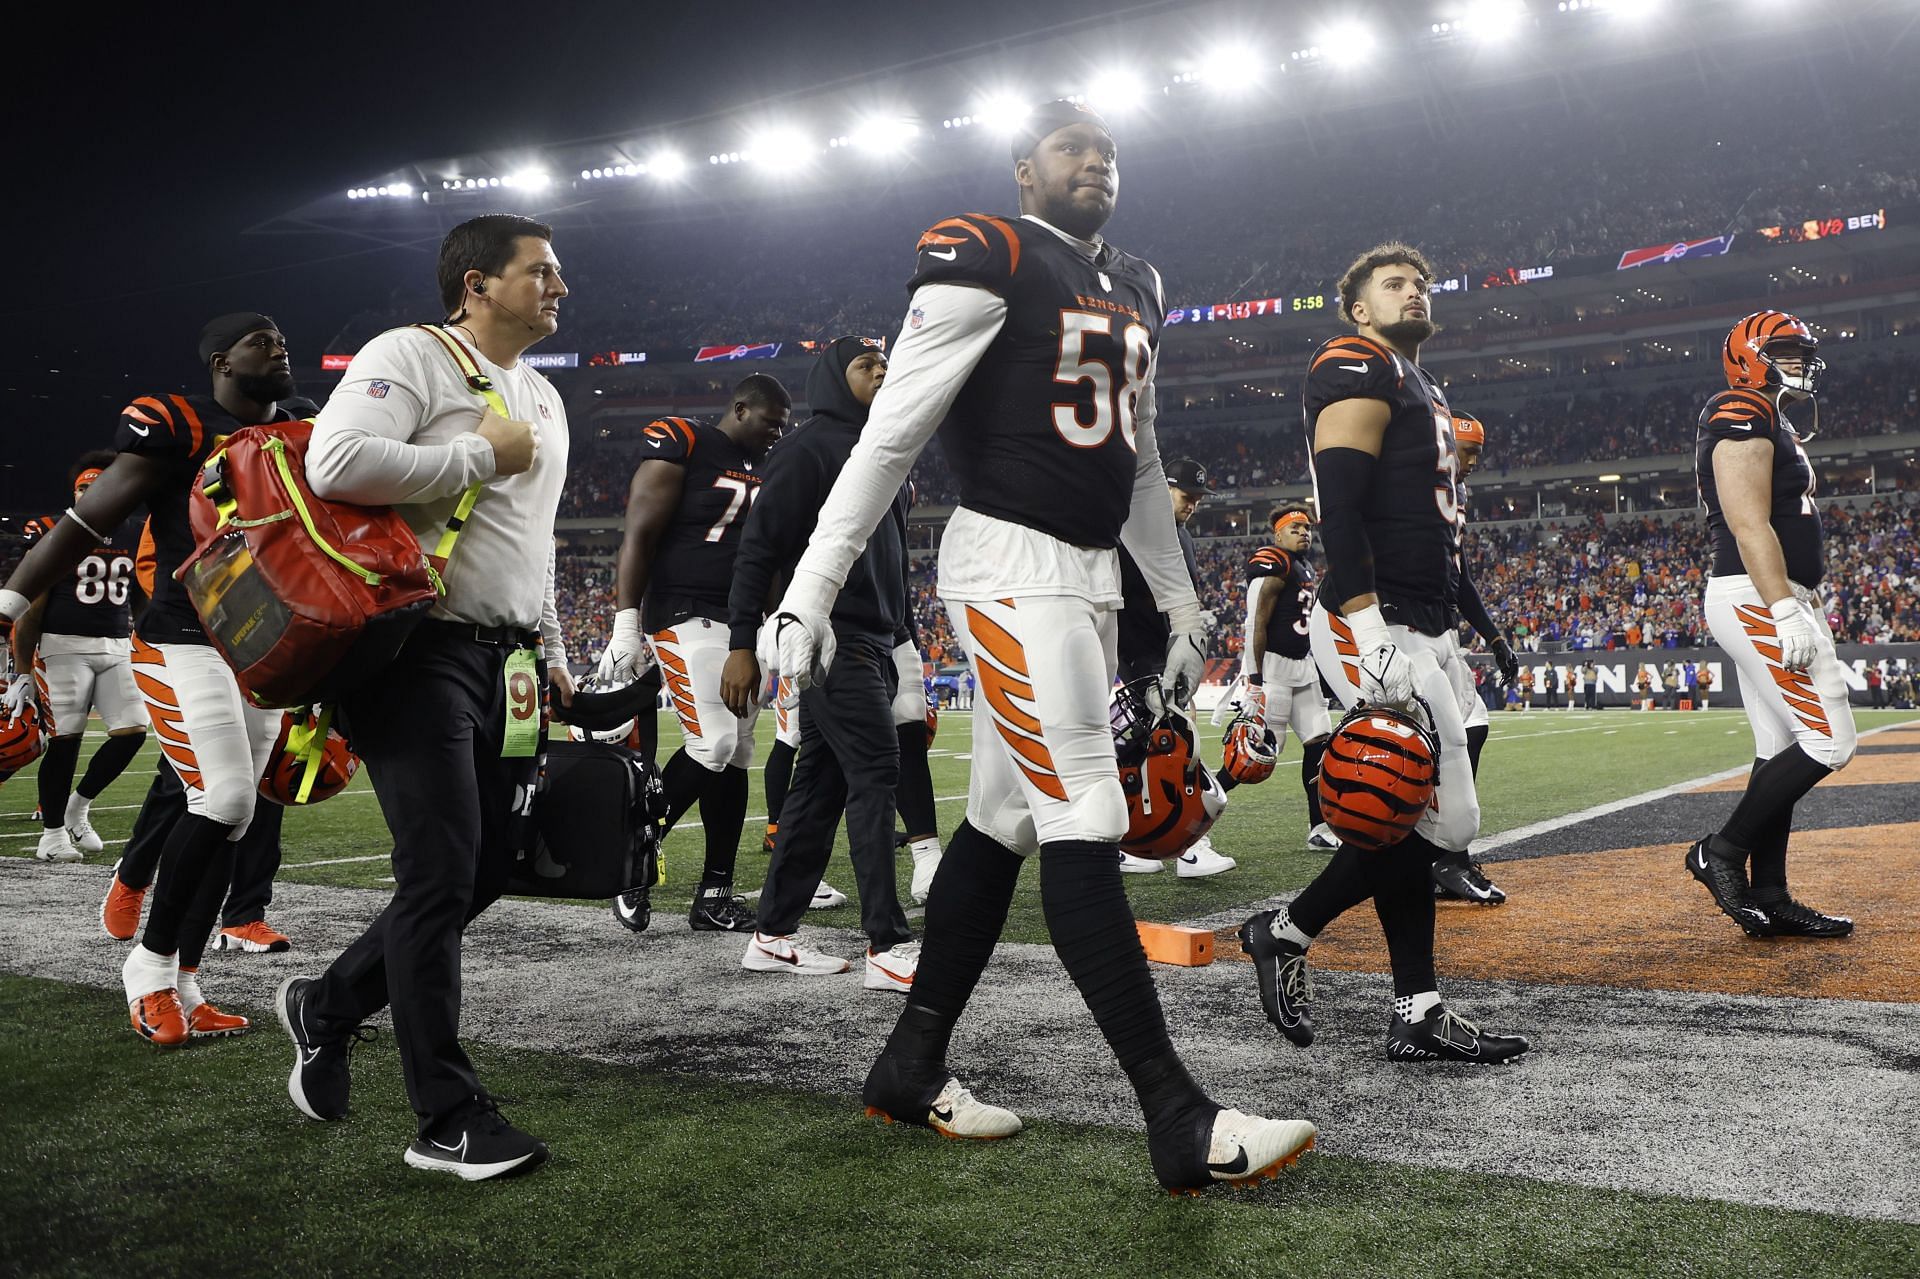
1251 750
21 738
338 764
1172 800
1751 349
1378 775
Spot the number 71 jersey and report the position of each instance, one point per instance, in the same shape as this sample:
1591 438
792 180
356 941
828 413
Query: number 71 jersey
1042 432
92 602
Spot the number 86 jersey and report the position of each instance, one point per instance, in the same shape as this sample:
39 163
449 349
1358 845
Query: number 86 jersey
1042 432
93 602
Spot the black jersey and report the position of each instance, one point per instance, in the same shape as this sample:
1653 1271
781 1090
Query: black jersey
1750 415
179 431
1042 432
693 565
1293 577
94 601
1412 512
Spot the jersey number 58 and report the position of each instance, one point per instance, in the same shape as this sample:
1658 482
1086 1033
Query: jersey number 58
1110 403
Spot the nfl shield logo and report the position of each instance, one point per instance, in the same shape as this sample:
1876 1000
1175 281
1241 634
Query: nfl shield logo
916 318
378 390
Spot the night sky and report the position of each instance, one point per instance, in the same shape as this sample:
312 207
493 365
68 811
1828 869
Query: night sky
140 149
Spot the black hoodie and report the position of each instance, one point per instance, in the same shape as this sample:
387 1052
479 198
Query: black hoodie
799 472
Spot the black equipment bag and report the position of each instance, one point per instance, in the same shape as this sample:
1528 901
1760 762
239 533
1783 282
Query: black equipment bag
596 820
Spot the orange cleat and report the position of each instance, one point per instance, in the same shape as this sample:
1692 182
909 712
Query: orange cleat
157 1017
120 912
208 1022
257 938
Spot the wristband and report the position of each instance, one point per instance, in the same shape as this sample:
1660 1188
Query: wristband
626 627
1369 628
1189 619
13 604
1254 680
1785 610
75 517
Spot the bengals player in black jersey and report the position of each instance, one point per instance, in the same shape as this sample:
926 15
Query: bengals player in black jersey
215 739
1386 482
1763 606
75 640
686 507
1029 343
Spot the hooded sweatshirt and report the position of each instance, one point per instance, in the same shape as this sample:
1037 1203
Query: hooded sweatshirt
799 472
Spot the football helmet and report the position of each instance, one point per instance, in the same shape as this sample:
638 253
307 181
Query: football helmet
933 722
1757 341
287 762
1251 750
1172 800
22 736
1378 774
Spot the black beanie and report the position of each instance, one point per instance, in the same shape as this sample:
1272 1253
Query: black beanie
223 331
1049 117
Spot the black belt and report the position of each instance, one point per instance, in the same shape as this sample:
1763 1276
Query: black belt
498 636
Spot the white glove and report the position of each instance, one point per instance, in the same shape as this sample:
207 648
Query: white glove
19 693
1386 676
1796 633
1186 652
766 651
628 655
802 631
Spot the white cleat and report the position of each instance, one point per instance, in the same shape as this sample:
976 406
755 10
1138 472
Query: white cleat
957 1113
57 846
1247 1149
1131 865
926 862
1200 861
84 836
893 969
1323 838
780 955
826 897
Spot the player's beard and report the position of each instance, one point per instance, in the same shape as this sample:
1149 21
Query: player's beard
265 388
1409 332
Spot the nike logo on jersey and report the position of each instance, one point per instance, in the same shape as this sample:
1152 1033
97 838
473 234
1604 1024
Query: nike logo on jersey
1354 368
137 430
653 444
946 255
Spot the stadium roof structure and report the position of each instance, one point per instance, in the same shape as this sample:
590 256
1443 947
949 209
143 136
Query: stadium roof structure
1199 77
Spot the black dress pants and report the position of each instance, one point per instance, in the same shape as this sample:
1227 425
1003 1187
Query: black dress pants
849 761
430 730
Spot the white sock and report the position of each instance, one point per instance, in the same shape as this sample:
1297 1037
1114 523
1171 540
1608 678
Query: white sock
146 972
1284 929
925 848
77 806
188 984
1416 1007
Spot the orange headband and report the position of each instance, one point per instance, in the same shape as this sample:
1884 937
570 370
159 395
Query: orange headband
86 478
1289 519
1468 430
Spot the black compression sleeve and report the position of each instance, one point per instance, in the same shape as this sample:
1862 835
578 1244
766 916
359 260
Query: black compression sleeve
1473 609
1344 478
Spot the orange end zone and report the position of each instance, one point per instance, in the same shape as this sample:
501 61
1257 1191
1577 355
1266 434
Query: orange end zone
1173 944
1633 918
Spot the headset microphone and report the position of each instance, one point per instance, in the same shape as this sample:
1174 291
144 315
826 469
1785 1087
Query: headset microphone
481 290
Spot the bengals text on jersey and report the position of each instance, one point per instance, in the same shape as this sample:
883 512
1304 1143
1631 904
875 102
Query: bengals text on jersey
693 566
1742 414
1042 433
1293 578
1412 514
94 601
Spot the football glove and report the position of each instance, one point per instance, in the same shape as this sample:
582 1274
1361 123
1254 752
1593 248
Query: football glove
628 654
1386 674
19 692
1796 633
1186 652
1253 701
802 631
1506 660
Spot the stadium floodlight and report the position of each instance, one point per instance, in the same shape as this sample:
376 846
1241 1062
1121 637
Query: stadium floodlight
666 165
1229 68
1347 44
1633 10
1115 91
883 135
780 144
1001 113
1492 20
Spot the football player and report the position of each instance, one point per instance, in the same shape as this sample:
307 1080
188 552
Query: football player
76 639
1386 483
216 740
1143 635
1457 876
1281 682
1029 343
1763 606
686 507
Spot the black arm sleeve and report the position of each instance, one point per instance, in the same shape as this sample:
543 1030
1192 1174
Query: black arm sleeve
1471 607
775 534
1344 478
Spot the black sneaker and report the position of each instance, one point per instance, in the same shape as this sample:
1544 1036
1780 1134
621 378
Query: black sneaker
1441 1036
1286 984
634 910
478 1146
1205 1144
1792 918
926 1094
1727 881
320 1079
1457 877
717 910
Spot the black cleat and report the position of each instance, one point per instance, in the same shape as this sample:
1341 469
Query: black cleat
1792 918
1441 1036
717 910
1727 881
1205 1145
926 1094
320 1079
477 1147
1457 877
634 909
1286 983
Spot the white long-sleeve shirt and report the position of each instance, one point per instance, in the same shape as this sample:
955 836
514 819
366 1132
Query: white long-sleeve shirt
398 431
